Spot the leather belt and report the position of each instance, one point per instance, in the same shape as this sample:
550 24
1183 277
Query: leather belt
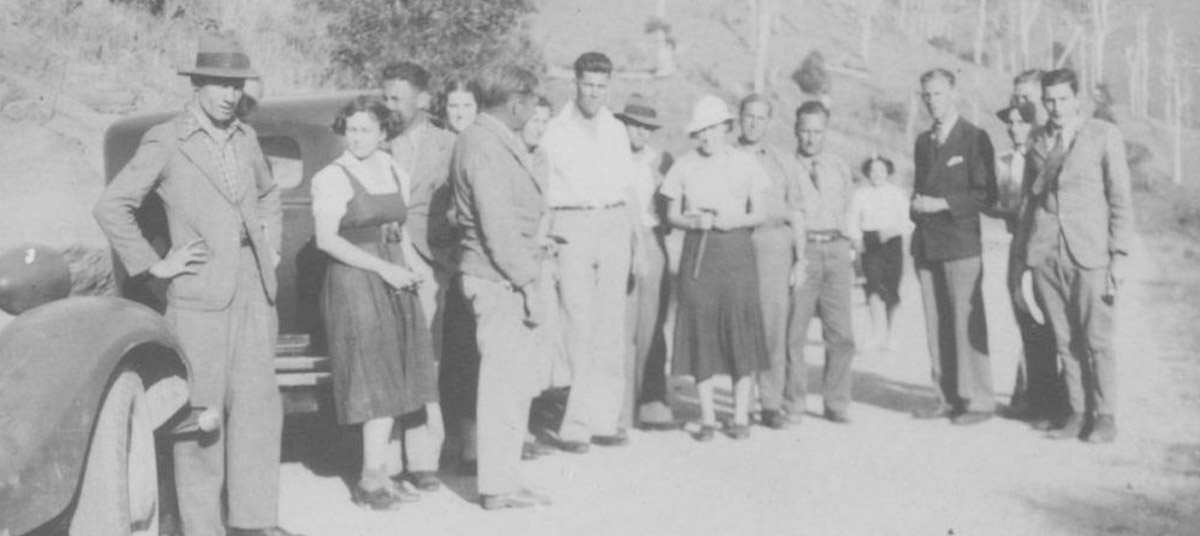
610 206
824 236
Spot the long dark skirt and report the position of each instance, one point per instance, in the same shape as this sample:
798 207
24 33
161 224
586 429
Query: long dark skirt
719 327
883 264
379 345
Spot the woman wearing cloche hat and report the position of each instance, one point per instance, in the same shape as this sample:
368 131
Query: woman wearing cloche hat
715 193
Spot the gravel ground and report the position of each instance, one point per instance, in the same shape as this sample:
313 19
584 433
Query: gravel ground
884 474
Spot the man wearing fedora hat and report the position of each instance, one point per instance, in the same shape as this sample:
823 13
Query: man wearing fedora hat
224 219
646 404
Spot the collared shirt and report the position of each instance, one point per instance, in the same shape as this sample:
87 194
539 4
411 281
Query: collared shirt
826 201
331 189
723 182
1063 133
784 198
220 145
878 208
1010 176
942 129
646 180
407 146
590 160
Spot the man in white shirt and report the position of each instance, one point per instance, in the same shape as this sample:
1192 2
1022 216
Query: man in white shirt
594 210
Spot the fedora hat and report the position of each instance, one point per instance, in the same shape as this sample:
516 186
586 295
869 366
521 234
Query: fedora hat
220 56
708 111
640 111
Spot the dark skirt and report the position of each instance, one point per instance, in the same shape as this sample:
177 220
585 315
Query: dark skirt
379 344
883 264
718 327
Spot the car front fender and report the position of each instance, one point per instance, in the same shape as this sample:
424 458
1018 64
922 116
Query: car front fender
56 362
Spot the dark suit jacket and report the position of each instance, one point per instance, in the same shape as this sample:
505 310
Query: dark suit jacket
174 162
962 171
1095 208
429 201
499 202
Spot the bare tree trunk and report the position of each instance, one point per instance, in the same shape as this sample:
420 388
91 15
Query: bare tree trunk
1102 27
980 31
1143 52
765 9
1171 107
1133 65
866 17
1029 11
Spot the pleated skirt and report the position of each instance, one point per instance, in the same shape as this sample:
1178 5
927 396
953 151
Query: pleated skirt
719 327
380 350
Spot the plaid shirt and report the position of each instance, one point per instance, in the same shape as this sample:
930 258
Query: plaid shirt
220 146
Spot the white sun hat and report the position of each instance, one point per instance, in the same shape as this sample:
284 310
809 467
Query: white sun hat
708 111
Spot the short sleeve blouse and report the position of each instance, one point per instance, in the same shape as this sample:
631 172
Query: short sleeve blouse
331 188
723 182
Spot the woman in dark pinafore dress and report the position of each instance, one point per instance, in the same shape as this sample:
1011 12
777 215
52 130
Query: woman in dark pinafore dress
380 349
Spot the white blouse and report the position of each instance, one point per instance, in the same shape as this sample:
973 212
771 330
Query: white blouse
331 189
878 208
723 182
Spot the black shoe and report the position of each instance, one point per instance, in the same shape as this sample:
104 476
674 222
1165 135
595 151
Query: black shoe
737 431
774 419
573 447
936 412
520 499
705 434
381 498
272 531
1071 428
1104 430
1041 424
619 439
968 418
424 480
839 417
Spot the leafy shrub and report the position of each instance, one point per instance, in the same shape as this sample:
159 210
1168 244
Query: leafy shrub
812 76
444 36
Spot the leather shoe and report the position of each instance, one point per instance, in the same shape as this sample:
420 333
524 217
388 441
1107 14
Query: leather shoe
936 412
424 480
1071 428
839 417
774 419
573 447
382 498
968 418
705 434
737 431
619 439
1041 424
272 531
1104 430
519 499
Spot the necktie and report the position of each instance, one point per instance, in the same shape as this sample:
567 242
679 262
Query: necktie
937 131
814 175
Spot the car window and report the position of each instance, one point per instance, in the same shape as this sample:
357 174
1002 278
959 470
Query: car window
283 156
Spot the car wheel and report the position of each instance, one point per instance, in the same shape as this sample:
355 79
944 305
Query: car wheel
119 490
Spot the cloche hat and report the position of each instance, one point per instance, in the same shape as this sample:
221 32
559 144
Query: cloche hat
220 56
708 111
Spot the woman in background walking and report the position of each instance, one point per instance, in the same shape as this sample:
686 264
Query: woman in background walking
878 220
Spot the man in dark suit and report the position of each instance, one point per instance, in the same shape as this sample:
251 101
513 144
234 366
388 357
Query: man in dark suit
1075 233
423 150
955 179
499 202
224 218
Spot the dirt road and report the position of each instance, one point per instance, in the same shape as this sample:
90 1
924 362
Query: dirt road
885 474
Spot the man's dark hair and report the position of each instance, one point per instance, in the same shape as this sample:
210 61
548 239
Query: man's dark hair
1061 76
887 163
593 62
373 107
407 71
944 74
753 98
501 84
812 107
1031 75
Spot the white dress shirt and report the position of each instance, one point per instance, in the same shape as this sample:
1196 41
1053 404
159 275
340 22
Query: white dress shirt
590 162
